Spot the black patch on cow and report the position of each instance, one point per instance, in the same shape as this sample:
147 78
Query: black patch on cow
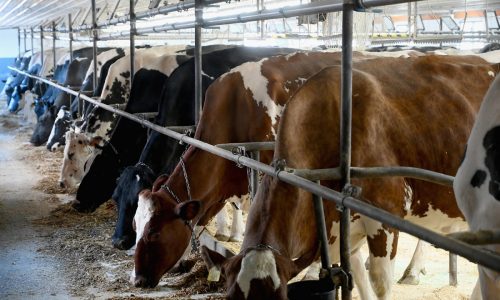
70 156
120 51
99 63
491 144
478 178
125 74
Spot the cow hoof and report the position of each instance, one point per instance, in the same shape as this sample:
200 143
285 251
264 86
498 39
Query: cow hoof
81 208
409 280
411 277
222 237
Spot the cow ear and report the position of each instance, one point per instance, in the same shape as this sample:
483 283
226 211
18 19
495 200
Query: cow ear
214 261
188 210
159 182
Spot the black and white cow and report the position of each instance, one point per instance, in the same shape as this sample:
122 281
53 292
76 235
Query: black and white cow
69 73
161 154
121 151
477 182
14 80
98 123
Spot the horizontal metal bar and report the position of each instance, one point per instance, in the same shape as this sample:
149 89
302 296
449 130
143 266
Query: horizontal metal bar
252 146
481 237
181 129
358 172
474 254
265 14
409 172
147 115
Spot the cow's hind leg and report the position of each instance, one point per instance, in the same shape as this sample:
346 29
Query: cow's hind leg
416 266
222 233
382 243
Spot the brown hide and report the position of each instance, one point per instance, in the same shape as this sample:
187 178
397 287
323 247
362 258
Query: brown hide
411 112
231 115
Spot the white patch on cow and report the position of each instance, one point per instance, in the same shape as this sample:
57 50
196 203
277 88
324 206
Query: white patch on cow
491 73
137 177
60 115
81 59
54 147
257 264
253 80
435 219
143 215
132 276
408 197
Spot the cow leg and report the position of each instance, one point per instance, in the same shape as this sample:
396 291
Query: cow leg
416 266
360 276
222 233
237 227
382 243
476 292
490 283
312 271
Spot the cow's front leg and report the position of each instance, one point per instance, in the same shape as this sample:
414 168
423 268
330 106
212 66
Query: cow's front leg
222 232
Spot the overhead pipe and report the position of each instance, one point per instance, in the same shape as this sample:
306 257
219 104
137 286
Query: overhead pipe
474 254
265 14
180 6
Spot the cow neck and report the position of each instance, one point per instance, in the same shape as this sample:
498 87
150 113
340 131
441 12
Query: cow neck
285 232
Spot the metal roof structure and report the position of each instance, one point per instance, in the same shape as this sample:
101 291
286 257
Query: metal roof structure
34 13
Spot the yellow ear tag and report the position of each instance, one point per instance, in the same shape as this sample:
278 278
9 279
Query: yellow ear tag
213 274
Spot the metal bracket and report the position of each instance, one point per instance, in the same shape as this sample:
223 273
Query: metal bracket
239 151
279 165
349 190
338 276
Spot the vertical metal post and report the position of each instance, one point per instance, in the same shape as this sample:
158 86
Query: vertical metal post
453 269
262 24
41 45
70 36
32 38
415 18
254 175
345 137
409 19
319 213
94 44
54 45
19 42
132 40
198 6
24 36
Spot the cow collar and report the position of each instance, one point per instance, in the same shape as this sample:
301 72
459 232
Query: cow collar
194 240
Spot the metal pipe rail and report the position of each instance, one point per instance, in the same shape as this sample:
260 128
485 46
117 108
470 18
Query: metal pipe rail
472 253
265 14
371 172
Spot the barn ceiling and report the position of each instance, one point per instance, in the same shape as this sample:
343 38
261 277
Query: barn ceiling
32 13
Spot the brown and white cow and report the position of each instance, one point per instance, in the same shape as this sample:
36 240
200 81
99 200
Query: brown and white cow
411 112
237 109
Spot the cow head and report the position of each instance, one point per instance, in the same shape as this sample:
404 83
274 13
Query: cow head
131 182
259 272
77 154
162 235
57 137
44 126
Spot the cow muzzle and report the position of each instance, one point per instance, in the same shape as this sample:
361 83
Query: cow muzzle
143 282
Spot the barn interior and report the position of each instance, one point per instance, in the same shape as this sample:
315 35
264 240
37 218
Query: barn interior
54 249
